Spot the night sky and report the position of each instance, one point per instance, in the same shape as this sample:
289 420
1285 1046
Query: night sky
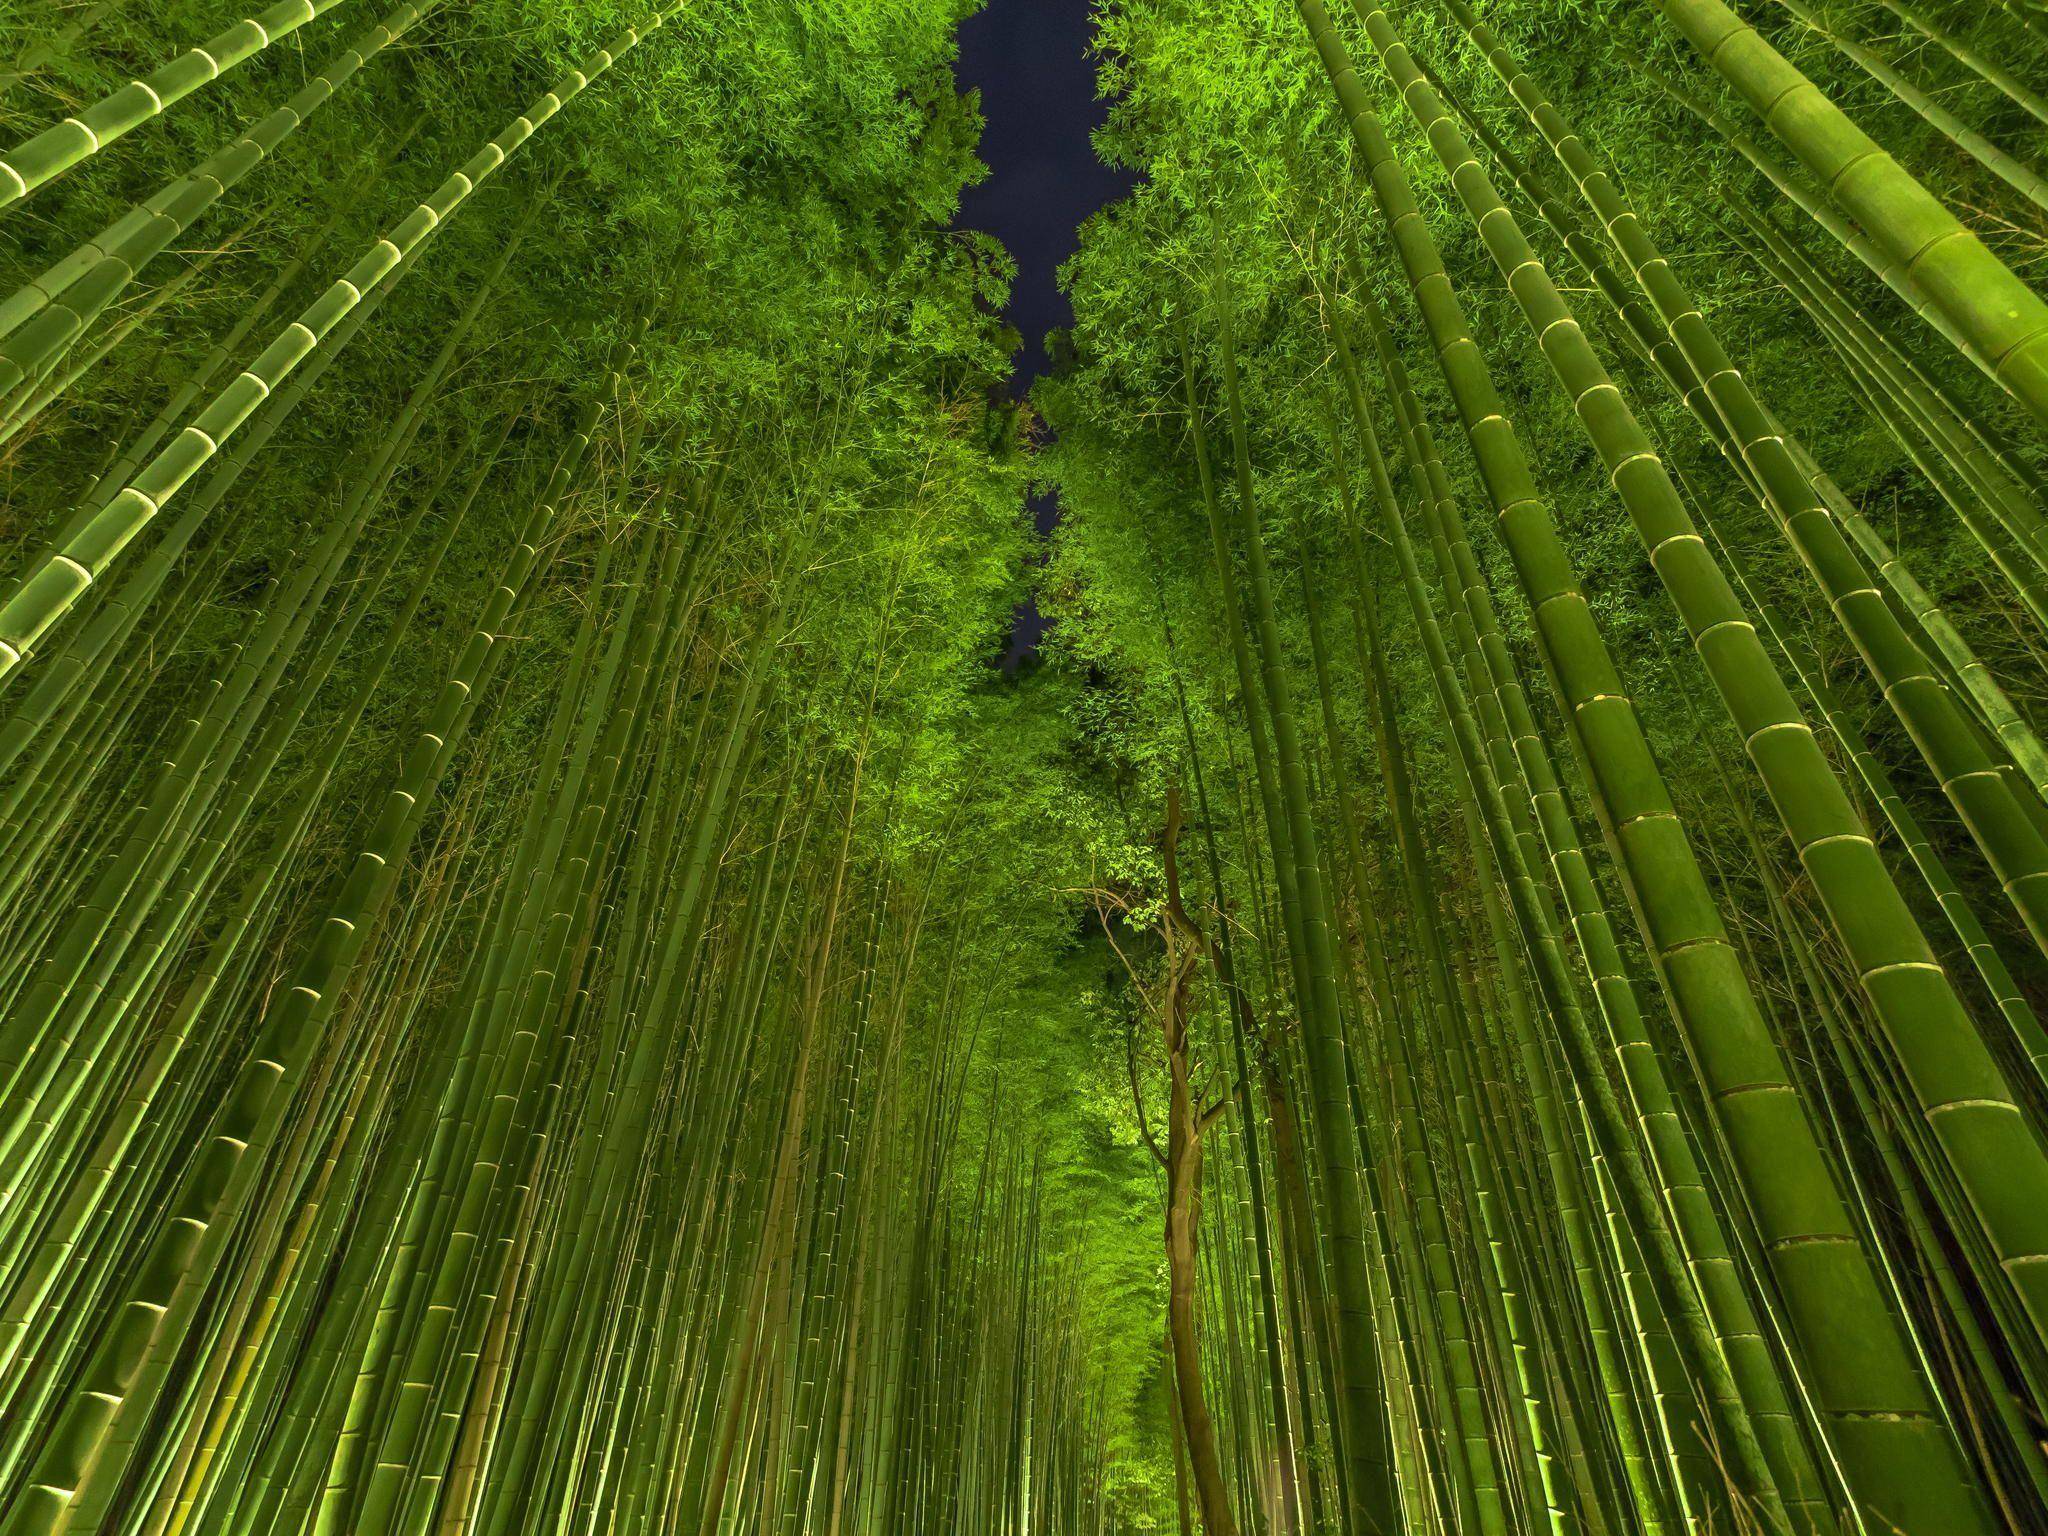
1029 60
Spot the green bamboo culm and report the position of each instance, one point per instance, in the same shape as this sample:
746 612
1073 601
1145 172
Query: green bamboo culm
47 595
1959 1085
2000 163
1362 1431
600 930
250 1111
1999 320
2000 821
38 160
1901 1457
1973 59
45 316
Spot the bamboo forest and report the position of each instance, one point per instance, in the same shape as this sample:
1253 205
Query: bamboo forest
662 876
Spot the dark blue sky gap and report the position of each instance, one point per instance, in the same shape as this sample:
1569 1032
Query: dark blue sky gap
1029 59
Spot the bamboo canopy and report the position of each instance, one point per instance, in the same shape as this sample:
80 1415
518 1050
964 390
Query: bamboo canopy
571 960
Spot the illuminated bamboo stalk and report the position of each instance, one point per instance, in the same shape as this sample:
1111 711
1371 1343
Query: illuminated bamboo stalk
2002 324
220 1168
1972 59
44 318
50 153
51 591
1821 1276
1997 161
